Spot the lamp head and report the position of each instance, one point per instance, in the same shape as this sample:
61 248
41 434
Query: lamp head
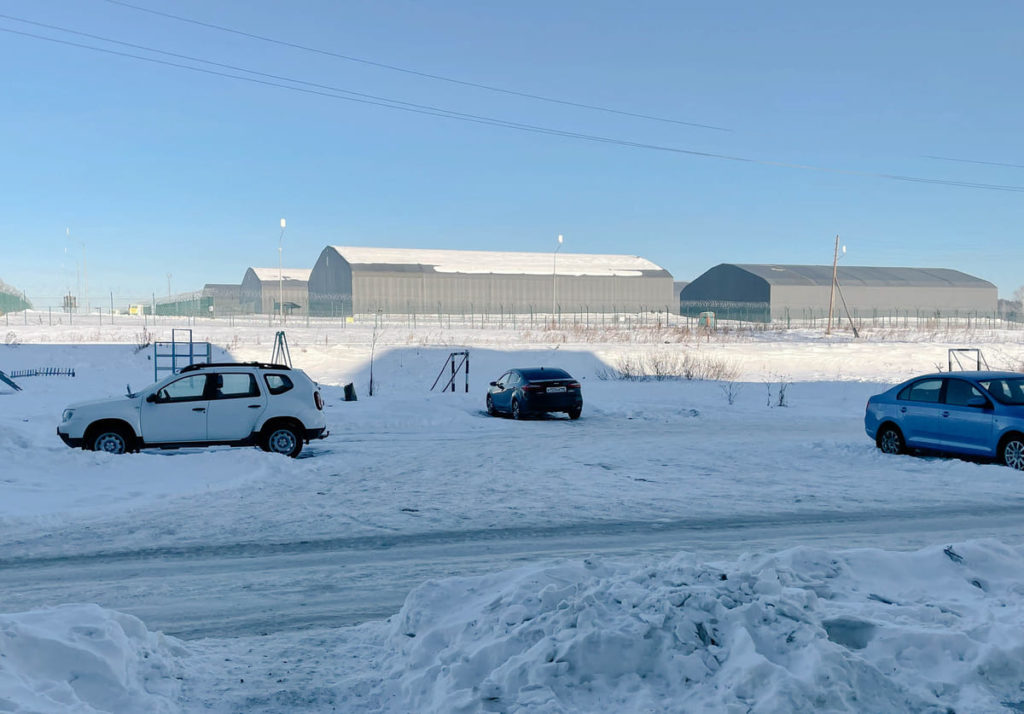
282 224
559 237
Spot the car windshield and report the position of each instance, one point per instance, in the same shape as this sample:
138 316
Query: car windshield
537 375
1009 390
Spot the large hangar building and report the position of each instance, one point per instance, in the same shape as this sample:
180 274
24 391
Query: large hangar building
762 293
348 280
262 288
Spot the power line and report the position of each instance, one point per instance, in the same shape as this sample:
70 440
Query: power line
974 161
426 107
489 121
417 73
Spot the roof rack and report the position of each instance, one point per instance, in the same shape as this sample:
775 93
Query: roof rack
204 365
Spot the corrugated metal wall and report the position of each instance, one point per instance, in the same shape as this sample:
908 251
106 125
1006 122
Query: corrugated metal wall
427 292
864 301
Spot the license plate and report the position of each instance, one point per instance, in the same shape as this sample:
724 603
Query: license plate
555 390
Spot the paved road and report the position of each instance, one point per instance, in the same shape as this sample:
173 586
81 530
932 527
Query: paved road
247 589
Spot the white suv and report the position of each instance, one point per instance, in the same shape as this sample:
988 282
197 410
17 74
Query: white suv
238 404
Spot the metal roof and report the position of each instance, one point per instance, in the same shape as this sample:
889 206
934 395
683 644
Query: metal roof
507 263
272 274
849 275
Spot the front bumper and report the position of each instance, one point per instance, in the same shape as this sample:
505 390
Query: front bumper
72 442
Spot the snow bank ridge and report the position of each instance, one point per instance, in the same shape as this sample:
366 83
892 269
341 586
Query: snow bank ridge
85 659
804 630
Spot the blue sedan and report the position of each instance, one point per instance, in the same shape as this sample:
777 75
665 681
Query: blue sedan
520 392
965 413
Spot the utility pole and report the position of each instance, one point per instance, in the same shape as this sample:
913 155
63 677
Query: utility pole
554 278
280 271
832 292
85 276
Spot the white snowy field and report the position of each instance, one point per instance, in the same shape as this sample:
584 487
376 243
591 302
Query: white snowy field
669 551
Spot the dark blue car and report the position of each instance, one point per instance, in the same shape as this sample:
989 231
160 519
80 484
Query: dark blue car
967 413
536 390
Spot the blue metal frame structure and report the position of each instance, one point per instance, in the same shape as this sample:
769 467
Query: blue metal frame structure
172 356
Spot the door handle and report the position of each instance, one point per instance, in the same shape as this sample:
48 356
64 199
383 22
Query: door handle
255 406
945 414
903 410
199 409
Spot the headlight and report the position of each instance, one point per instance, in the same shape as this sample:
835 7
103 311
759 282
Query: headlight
68 413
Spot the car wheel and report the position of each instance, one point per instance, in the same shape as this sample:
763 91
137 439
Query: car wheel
890 440
490 406
111 440
282 440
516 414
575 413
1013 452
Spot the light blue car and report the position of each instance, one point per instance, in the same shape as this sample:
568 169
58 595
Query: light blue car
966 413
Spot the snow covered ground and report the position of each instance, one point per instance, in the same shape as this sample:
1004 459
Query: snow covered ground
687 545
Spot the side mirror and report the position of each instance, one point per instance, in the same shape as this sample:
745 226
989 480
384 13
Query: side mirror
494 384
151 398
978 402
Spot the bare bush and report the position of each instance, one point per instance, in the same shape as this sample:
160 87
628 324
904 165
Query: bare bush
731 390
143 340
777 385
664 365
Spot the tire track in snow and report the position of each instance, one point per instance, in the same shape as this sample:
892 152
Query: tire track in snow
251 589
733 523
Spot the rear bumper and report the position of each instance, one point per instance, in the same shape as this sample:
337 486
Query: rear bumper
73 443
310 434
552 403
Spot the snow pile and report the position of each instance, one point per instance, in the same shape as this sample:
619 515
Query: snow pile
802 630
83 658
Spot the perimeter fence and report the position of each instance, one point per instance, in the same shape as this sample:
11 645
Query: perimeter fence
182 311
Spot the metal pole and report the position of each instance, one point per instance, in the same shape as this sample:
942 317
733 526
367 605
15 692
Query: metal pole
280 271
554 276
832 292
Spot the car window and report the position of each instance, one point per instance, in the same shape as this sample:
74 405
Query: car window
185 389
513 380
1008 390
927 390
235 386
278 383
542 374
959 392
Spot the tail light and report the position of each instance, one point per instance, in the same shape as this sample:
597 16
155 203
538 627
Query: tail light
318 400
574 385
533 388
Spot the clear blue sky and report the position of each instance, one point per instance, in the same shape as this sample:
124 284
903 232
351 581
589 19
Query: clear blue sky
162 170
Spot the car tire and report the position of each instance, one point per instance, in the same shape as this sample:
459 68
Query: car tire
490 406
111 440
516 413
1012 452
890 440
282 439
574 414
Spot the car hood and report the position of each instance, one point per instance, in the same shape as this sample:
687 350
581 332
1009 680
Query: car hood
101 402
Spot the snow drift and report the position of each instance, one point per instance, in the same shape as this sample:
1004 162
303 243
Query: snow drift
83 658
803 630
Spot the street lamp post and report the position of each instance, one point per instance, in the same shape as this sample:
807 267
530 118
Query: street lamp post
280 271
554 278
